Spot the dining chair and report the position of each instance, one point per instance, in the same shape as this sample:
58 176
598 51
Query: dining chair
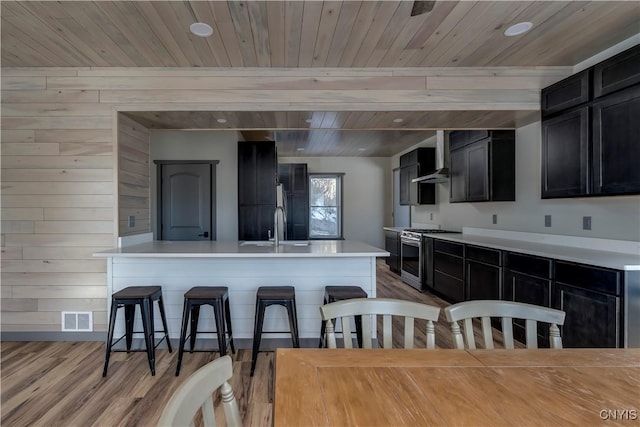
506 311
196 394
343 311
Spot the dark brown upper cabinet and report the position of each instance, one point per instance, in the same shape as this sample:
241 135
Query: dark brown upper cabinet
565 154
591 134
567 93
482 166
413 164
616 73
616 143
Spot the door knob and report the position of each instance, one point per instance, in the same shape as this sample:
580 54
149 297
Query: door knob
205 234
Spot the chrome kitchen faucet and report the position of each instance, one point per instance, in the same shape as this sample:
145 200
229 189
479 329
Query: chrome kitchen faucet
276 234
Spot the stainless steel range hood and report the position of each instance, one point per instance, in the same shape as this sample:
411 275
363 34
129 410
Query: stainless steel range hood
441 173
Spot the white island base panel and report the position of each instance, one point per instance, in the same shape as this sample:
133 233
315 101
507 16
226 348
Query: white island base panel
242 276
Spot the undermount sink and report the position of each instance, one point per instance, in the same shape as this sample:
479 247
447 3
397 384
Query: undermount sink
295 242
271 243
256 243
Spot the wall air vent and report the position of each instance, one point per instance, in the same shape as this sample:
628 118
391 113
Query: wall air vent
77 321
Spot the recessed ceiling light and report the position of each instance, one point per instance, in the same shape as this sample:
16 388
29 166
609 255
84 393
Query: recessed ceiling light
299 149
308 120
201 29
221 120
517 29
398 120
361 149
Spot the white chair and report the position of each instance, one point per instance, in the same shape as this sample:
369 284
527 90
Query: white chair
197 393
507 311
366 307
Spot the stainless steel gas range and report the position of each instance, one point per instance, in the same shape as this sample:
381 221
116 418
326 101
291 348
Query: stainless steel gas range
415 253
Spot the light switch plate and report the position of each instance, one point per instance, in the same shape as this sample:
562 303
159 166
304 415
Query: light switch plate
586 223
494 218
547 220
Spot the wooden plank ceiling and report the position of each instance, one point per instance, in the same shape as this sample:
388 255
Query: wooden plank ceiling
308 33
343 133
362 35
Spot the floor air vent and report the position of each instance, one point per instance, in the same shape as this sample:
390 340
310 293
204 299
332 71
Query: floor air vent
77 321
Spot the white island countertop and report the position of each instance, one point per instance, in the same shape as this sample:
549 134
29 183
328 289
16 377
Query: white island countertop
235 249
178 266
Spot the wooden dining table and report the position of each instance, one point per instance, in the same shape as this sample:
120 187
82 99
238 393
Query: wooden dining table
401 387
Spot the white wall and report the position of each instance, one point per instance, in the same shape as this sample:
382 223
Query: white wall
203 145
616 217
365 181
366 192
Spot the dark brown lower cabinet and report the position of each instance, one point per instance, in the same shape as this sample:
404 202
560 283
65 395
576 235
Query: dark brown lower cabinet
521 287
527 279
392 245
483 281
448 270
590 296
483 273
592 317
601 304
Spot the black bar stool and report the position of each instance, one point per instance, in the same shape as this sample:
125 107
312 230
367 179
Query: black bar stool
218 298
129 298
339 293
270 295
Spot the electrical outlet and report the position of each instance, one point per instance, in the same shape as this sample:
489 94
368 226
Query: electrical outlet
547 220
132 221
494 218
586 223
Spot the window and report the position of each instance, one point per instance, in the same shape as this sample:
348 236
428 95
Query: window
325 206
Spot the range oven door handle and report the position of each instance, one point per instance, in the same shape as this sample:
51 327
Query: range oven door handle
414 243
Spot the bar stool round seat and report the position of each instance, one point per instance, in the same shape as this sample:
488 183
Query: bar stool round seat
128 298
340 293
274 295
218 298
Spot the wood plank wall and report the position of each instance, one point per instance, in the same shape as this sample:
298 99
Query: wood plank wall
58 189
57 201
133 177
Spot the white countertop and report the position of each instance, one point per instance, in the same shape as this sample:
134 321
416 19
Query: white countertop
396 229
233 249
609 259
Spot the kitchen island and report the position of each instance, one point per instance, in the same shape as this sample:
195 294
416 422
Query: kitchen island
243 267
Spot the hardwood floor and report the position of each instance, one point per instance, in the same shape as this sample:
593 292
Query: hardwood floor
61 384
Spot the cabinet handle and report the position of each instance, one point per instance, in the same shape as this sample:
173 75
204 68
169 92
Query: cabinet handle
205 234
